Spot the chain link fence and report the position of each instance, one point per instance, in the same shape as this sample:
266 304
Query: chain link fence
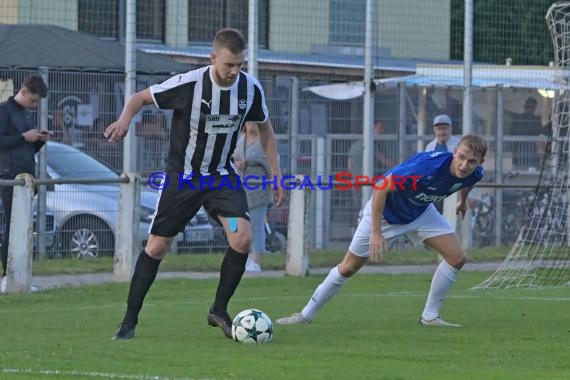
301 46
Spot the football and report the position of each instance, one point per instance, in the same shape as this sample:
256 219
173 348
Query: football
252 326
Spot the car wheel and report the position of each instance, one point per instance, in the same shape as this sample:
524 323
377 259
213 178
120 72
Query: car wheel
87 238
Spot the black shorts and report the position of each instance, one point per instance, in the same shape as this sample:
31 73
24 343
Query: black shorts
181 200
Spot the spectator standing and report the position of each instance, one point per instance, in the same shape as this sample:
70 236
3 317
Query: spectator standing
444 141
19 142
252 166
526 153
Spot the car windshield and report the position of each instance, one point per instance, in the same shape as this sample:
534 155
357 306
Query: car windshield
69 162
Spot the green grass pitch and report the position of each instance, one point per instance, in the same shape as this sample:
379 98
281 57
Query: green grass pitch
369 331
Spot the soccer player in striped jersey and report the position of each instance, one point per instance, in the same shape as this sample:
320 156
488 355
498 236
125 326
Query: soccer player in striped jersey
210 105
403 204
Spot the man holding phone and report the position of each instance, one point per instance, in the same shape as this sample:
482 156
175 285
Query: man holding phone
19 142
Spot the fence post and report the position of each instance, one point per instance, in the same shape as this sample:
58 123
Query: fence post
127 242
297 259
20 248
449 213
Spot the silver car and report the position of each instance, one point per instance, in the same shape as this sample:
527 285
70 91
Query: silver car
87 214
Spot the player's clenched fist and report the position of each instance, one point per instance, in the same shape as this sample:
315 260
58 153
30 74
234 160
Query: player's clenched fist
116 131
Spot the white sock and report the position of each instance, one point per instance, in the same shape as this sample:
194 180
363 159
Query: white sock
324 292
442 280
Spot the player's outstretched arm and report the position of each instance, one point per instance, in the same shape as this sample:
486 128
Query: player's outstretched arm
119 129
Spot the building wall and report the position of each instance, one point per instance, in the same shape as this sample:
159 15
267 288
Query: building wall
412 29
55 12
300 24
406 28
8 11
176 23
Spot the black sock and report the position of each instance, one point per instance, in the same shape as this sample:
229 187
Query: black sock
231 272
143 277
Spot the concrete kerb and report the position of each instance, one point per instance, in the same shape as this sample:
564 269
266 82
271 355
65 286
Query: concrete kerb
58 281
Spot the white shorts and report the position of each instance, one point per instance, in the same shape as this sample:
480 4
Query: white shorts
429 224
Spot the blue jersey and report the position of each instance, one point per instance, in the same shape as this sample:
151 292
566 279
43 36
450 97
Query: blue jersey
426 178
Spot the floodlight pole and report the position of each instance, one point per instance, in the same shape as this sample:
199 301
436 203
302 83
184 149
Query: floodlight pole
252 38
129 147
368 108
466 232
468 69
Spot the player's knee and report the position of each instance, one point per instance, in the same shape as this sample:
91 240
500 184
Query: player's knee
241 242
156 247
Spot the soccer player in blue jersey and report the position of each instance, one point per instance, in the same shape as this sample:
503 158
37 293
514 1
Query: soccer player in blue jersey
402 203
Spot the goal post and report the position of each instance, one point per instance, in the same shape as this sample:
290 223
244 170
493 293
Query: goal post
540 256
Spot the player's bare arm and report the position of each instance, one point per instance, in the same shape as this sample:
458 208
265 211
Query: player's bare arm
377 241
269 144
119 129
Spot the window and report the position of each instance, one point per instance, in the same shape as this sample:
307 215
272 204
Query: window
206 17
99 17
106 18
150 20
347 21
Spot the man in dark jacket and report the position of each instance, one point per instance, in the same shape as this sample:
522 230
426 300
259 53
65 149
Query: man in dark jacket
19 142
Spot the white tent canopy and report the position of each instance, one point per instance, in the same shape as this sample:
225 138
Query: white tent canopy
451 76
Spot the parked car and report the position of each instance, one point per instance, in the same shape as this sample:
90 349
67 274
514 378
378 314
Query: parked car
87 214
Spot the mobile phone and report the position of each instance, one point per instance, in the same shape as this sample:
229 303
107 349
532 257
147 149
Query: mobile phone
45 132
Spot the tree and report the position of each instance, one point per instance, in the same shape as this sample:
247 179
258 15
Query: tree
504 29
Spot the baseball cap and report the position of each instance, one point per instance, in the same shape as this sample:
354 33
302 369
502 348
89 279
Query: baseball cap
442 119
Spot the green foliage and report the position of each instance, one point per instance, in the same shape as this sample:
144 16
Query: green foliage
368 331
504 29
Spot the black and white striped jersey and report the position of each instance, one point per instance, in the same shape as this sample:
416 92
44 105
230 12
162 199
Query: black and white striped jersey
207 119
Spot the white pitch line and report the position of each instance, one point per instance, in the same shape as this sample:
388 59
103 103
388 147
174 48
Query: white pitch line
92 374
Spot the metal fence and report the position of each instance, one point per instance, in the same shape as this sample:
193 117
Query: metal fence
85 216
300 46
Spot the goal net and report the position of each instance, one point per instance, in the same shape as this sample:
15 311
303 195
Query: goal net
540 256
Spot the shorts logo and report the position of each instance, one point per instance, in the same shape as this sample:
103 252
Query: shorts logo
242 104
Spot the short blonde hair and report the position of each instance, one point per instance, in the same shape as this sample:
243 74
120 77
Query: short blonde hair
231 39
476 144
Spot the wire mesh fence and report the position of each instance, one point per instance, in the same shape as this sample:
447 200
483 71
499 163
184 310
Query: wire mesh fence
301 46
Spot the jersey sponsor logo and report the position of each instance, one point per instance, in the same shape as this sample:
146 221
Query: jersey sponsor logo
428 198
455 187
222 123
242 104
